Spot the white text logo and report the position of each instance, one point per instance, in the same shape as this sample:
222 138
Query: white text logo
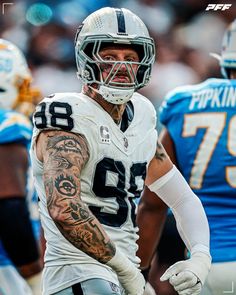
218 6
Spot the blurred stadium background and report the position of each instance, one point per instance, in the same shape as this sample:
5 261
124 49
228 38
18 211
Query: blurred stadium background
184 32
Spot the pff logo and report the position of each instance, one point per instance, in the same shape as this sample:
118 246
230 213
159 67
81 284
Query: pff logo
216 7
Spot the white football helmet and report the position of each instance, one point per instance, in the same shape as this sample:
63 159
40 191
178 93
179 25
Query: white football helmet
228 54
108 26
15 78
227 59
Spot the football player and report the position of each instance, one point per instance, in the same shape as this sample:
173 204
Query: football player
199 136
19 223
91 152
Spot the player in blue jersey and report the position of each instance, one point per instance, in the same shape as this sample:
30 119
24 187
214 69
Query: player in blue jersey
200 137
19 225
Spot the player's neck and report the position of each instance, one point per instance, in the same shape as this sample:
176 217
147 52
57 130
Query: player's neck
115 111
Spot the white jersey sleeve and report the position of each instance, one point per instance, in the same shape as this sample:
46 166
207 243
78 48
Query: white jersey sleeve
61 111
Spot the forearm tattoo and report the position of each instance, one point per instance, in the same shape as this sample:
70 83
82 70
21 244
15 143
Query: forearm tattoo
160 152
64 157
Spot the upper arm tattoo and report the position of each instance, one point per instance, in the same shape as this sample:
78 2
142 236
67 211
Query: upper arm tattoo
65 155
160 153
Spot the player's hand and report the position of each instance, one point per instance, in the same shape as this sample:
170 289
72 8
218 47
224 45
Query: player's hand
128 274
132 281
187 277
185 282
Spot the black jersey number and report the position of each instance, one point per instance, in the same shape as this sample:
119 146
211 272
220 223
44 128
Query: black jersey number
60 116
118 192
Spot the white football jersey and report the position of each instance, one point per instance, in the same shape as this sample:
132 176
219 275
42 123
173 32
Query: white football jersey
110 181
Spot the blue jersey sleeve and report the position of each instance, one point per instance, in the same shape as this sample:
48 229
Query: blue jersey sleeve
14 127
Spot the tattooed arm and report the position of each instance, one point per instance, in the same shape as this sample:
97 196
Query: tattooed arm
64 156
159 165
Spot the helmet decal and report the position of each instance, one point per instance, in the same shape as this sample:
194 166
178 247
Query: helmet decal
120 21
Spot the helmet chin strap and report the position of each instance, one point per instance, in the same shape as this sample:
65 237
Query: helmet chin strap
115 95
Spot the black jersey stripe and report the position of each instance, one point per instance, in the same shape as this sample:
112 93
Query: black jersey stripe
127 116
77 289
120 21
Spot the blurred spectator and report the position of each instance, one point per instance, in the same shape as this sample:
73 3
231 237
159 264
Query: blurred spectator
19 221
51 57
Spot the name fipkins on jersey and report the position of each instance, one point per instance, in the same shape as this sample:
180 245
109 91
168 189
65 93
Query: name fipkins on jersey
213 98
